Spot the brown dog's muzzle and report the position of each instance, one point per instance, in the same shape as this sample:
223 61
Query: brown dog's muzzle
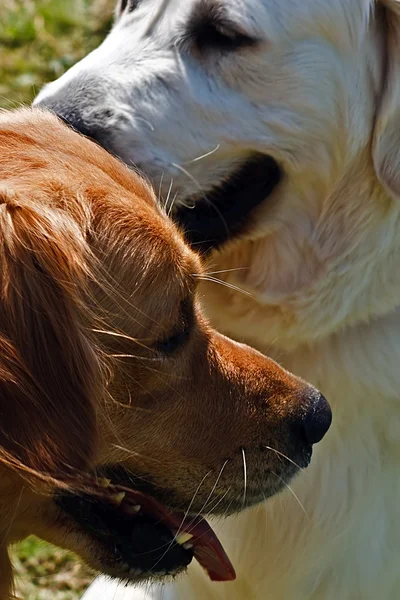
228 410
257 418
232 430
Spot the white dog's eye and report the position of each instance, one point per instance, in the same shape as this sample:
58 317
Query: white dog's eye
127 5
213 36
210 29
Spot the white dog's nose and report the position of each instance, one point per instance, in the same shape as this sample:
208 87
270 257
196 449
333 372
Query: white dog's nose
94 126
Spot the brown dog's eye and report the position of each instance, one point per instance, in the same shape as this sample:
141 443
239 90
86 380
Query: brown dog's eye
182 330
173 343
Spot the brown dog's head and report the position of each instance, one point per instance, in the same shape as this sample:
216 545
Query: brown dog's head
111 378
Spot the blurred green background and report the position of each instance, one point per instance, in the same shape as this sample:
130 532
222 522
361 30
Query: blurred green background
39 40
47 573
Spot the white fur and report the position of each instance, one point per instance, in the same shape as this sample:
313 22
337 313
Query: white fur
321 94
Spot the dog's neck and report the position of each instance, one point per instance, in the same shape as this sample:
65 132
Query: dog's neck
330 266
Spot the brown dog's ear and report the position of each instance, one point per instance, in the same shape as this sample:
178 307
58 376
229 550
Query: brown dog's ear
49 370
386 142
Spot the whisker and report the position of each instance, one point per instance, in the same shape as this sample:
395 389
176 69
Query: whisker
217 147
129 405
168 195
146 359
202 510
160 186
169 545
145 121
125 337
226 284
172 204
187 511
222 271
226 511
212 509
115 334
135 454
244 476
188 174
204 196
293 494
284 456
123 356
137 384
111 288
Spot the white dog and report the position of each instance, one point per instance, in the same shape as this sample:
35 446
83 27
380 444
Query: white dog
279 121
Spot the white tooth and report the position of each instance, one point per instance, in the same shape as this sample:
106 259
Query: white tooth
119 497
132 510
160 574
187 546
182 538
104 483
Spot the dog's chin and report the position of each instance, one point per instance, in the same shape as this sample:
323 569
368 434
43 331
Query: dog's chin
212 218
126 546
135 537
136 534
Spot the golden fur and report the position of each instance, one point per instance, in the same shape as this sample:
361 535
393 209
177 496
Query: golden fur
96 286
319 92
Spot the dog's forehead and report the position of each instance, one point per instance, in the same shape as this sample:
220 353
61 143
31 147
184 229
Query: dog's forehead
163 20
166 17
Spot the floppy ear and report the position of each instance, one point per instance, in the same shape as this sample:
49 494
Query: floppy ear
49 371
386 142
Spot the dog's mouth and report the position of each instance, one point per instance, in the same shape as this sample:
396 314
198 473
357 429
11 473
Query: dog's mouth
211 219
141 538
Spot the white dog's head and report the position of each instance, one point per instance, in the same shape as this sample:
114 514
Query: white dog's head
279 122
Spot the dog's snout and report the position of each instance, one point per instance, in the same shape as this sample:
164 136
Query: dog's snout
317 419
73 119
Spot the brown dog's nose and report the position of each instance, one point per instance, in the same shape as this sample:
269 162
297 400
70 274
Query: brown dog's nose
317 420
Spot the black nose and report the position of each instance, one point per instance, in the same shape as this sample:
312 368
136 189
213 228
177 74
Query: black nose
73 119
317 420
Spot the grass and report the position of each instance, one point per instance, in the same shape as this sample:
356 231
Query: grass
39 41
44 572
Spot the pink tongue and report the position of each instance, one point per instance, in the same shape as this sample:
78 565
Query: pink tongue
207 548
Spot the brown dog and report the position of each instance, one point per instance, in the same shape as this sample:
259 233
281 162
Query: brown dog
114 390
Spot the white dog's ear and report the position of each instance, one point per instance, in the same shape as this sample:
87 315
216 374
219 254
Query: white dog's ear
386 142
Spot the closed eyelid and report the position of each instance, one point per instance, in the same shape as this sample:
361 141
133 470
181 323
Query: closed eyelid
181 331
210 16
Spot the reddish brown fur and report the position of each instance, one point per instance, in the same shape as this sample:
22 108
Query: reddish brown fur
85 254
